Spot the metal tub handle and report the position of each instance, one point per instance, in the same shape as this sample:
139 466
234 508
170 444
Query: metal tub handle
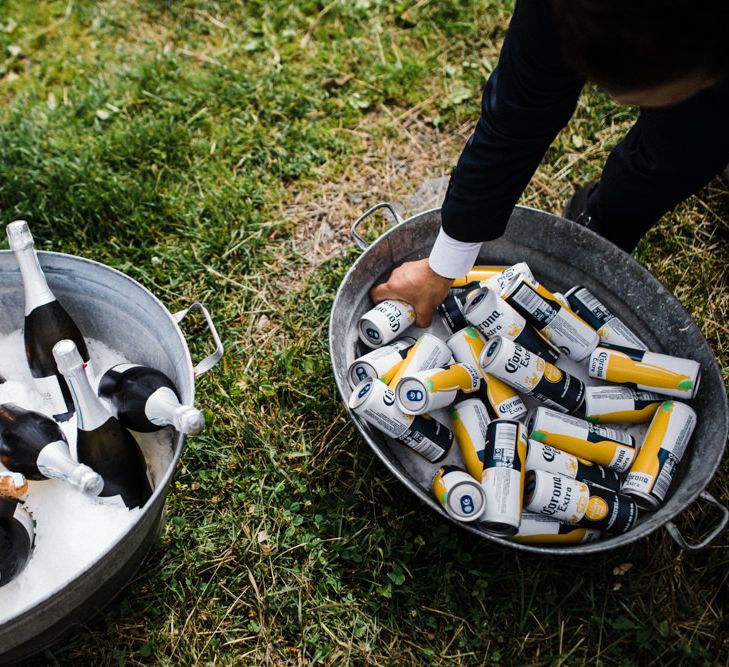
361 243
206 364
675 533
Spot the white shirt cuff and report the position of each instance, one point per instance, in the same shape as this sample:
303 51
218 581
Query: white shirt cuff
450 258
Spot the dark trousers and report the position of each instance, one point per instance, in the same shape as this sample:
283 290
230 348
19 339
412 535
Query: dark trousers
667 155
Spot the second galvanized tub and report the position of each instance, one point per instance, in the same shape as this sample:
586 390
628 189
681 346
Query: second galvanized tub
111 307
561 254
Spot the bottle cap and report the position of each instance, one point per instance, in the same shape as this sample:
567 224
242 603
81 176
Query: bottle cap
19 236
87 481
190 420
67 357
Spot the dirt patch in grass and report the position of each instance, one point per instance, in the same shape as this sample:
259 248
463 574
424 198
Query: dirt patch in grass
398 160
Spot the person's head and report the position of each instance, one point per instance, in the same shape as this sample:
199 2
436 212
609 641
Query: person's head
646 52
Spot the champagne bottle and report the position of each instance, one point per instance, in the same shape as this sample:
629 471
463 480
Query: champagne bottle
103 443
17 535
12 484
146 400
46 322
33 444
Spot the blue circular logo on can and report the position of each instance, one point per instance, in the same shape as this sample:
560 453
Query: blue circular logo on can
364 390
492 348
478 299
360 372
467 504
372 333
414 395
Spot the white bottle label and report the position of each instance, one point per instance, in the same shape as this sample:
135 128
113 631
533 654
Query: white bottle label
50 390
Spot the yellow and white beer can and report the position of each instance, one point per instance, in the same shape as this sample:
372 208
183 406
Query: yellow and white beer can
381 362
460 495
435 388
564 328
650 476
649 371
385 322
469 421
607 446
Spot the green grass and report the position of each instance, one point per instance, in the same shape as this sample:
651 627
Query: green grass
199 147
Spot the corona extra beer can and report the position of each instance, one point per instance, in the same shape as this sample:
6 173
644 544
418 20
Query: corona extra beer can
649 371
382 362
502 479
469 422
385 322
650 476
531 375
460 495
501 281
479 273
599 444
542 529
578 503
374 401
551 459
492 316
466 346
429 351
611 329
435 388
569 332
620 405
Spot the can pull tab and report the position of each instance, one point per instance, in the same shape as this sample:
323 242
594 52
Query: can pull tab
211 360
675 533
361 243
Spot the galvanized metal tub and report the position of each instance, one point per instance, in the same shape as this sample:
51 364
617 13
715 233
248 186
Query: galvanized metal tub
561 254
111 307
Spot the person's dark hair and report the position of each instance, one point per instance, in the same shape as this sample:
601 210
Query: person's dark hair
630 44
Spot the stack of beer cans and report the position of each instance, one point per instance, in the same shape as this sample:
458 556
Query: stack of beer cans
546 396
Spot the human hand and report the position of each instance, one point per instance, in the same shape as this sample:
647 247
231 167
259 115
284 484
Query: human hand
417 284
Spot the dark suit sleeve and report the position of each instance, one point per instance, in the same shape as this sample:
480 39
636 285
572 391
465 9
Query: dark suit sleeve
528 99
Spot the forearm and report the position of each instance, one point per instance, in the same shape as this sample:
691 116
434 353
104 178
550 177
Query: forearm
528 99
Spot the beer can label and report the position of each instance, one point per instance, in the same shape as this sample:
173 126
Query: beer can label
503 280
385 322
620 405
608 447
503 476
469 421
541 529
598 316
428 437
560 325
663 448
556 496
609 511
530 374
506 403
671 376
